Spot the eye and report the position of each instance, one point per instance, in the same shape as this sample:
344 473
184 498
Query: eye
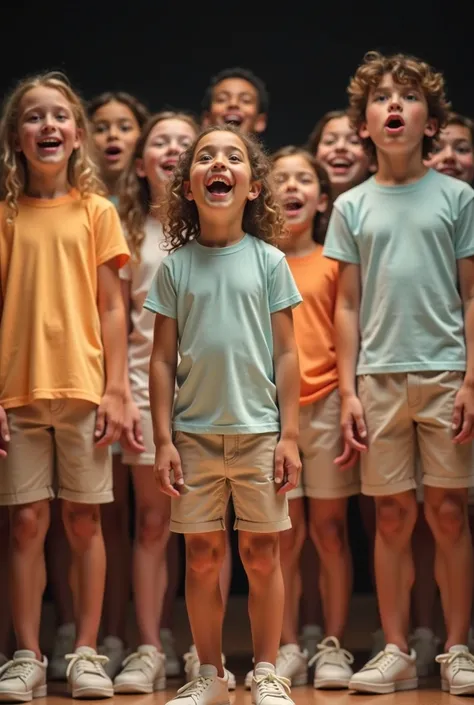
354 139
126 128
380 98
235 158
463 148
328 140
437 148
33 117
99 129
185 143
411 96
204 157
279 178
62 117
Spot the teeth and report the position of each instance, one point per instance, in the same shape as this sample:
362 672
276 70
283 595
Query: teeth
222 179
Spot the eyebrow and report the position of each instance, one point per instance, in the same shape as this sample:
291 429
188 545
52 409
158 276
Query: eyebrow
213 148
241 93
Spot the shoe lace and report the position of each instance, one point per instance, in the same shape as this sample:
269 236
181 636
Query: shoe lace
137 661
330 651
382 661
190 659
194 688
460 660
271 684
86 663
19 668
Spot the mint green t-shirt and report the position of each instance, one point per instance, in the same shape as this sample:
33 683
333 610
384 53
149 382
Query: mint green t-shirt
407 240
223 299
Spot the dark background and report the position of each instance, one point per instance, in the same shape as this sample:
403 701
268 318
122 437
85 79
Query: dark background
166 52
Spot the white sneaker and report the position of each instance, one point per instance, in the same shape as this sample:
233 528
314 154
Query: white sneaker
333 665
143 672
268 688
389 671
23 678
457 671
63 644
425 645
192 666
291 663
311 636
206 689
114 649
172 665
378 643
86 675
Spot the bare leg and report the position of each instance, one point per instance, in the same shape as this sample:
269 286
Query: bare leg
58 561
29 524
310 603
5 615
173 566
424 589
225 577
291 543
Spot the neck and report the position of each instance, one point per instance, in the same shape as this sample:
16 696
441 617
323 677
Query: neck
299 244
112 183
220 234
158 209
337 189
400 169
47 185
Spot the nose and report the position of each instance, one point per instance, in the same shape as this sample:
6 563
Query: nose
173 147
448 153
340 143
48 122
395 104
218 163
113 132
291 184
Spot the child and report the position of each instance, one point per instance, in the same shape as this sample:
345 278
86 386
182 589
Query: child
453 151
236 97
61 368
223 300
404 239
304 192
164 138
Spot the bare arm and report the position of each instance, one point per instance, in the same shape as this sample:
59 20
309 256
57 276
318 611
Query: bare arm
463 414
162 377
4 431
132 434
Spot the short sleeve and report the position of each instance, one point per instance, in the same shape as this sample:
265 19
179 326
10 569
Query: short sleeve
464 231
340 243
126 273
282 288
110 241
162 295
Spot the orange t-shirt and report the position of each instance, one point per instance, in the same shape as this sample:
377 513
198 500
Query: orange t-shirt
316 279
50 333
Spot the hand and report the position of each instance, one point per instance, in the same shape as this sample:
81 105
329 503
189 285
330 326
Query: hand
4 432
132 434
348 457
287 465
353 426
463 415
109 423
166 460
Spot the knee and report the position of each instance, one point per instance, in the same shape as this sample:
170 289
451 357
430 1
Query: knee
152 526
292 540
204 555
81 521
395 519
448 518
260 554
27 524
329 536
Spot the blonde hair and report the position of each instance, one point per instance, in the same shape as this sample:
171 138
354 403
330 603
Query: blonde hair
135 195
13 167
262 217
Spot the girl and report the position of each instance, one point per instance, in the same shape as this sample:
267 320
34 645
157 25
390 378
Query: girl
453 153
224 301
61 368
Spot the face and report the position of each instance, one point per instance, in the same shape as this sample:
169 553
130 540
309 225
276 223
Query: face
397 117
453 153
341 152
115 131
47 130
167 140
221 176
298 191
235 102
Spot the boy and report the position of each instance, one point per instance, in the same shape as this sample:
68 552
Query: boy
404 238
453 153
236 97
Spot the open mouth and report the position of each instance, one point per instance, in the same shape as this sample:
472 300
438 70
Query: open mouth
169 166
219 188
113 151
233 119
50 143
293 206
394 122
340 163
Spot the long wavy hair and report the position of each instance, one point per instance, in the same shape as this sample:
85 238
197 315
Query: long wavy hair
321 220
262 217
82 173
135 201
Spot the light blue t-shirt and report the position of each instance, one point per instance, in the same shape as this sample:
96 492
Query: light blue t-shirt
407 240
223 299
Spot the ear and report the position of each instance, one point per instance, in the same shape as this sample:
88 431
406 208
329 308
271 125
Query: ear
431 127
206 121
139 168
323 203
79 137
254 191
260 123
187 191
363 131
16 143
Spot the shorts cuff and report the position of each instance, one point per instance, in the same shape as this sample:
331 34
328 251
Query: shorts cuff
388 490
142 459
341 493
297 493
446 483
259 527
202 527
86 497
14 499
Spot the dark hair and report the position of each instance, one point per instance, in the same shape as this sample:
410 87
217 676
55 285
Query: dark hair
463 121
321 220
317 132
139 110
246 75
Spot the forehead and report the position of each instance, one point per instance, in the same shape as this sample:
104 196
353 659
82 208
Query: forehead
456 132
171 127
221 139
235 86
294 162
388 81
114 110
338 125
43 96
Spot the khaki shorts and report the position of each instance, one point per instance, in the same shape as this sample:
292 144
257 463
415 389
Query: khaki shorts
148 456
216 467
407 414
48 434
320 443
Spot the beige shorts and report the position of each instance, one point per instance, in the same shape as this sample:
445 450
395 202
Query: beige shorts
55 434
148 456
320 443
407 414
216 467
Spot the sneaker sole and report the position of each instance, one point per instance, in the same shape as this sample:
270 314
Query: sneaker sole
17 697
297 681
457 689
382 688
331 684
141 688
87 692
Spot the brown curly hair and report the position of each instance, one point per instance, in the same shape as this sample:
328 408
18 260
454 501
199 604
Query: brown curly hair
135 199
321 220
262 217
82 172
406 70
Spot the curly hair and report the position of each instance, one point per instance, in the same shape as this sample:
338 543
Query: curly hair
82 173
262 217
321 220
139 110
406 70
317 132
135 200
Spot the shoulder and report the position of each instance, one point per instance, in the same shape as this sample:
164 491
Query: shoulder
350 203
98 205
268 254
456 192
